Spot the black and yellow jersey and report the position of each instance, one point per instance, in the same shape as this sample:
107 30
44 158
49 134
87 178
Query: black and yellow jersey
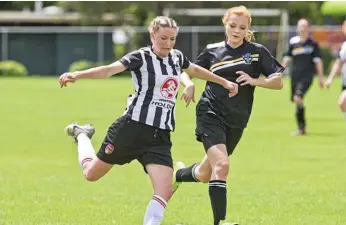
221 59
305 55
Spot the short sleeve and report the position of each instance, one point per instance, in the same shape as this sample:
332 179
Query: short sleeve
186 63
132 61
268 64
183 60
203 59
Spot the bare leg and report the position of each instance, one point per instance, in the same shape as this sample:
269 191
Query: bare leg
161 179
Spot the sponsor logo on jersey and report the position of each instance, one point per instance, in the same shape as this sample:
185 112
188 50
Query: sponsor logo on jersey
169 88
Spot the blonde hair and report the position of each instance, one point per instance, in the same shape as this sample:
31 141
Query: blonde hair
163 22
240 11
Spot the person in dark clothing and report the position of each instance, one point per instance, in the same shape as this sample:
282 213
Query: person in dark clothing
307 60
221 120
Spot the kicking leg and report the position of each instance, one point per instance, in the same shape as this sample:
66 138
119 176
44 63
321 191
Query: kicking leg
93 168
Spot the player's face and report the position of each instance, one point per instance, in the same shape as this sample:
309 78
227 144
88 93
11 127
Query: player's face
236 28
303 28
164 40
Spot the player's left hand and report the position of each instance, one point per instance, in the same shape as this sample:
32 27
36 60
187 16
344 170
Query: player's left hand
189 94
245 79
321 82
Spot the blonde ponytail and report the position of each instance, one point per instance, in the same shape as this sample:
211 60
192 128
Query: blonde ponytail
249 36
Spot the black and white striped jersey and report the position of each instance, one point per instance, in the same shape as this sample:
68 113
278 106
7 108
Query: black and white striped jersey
156 81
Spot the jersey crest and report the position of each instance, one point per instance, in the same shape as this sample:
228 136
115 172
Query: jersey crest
247 58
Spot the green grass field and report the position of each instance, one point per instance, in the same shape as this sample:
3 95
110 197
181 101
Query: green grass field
275 179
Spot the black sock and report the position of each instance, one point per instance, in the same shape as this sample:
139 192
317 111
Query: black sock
300 115
218 198
186 174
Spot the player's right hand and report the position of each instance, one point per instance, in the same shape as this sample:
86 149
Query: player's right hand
189 94
232 88
67 78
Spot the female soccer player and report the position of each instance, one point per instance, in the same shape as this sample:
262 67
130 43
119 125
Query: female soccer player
143 132
222 120
339 63
306 60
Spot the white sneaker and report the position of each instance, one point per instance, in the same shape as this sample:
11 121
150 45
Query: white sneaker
178 165
74 130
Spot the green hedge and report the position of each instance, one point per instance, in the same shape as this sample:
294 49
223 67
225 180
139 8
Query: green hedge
81 65
13 69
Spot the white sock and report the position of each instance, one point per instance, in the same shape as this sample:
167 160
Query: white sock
155 211
86 151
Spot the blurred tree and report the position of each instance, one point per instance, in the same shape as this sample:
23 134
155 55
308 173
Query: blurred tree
21 5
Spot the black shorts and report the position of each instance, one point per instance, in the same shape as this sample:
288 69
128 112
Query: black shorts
127 140
211 131
343 87
299 88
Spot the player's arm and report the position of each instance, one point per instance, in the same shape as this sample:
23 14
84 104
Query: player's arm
319 68
185 80
270 68
101 71
199 72
96 72
334 71
131 61
189 90
317 59
287 57
273 81
285 61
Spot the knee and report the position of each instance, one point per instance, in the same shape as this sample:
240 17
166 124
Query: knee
298 100
90 175
165 191
222 168
342 106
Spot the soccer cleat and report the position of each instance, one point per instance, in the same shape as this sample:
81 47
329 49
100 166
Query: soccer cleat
178 165
298 132
74 130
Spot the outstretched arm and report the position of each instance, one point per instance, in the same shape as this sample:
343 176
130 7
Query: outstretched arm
96 72
197 71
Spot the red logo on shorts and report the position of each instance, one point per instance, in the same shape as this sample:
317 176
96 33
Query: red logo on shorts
109 149
169 88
